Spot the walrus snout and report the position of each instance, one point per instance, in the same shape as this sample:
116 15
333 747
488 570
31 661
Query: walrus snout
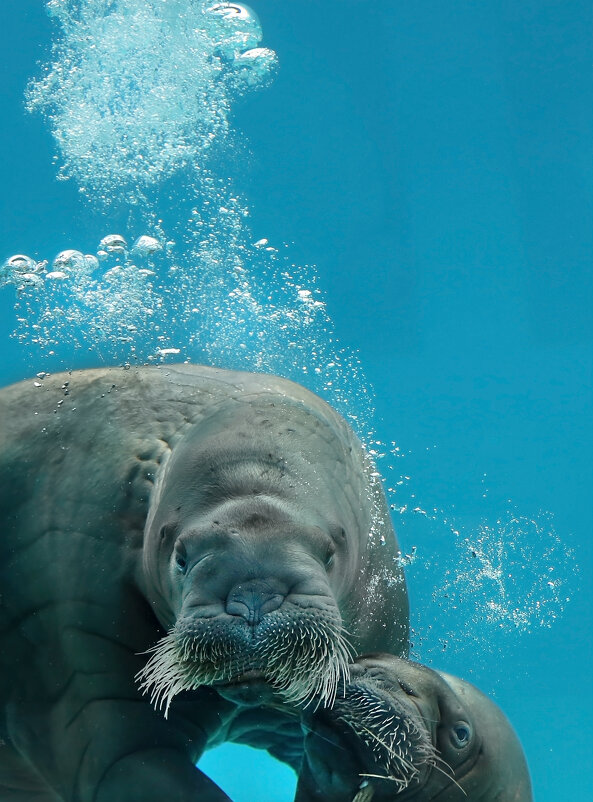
252 600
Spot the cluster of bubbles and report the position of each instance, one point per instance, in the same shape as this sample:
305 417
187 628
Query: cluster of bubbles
141 89
248 306
138 98
214 295
513 574
490 582
98 300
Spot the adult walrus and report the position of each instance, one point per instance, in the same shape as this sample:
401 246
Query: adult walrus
229 521
405 732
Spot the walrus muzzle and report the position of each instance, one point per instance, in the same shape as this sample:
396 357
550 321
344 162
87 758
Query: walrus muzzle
302 653
253 605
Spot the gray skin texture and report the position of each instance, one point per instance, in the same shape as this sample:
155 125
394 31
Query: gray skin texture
478 755
105 475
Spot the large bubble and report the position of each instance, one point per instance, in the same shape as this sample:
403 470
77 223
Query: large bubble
20 271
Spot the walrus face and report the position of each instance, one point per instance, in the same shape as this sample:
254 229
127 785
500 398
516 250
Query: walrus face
377 742
249 561
403 731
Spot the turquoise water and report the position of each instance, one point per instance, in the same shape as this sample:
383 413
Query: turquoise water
424 171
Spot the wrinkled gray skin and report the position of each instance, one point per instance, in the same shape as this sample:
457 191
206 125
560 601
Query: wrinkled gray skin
477 758
104 476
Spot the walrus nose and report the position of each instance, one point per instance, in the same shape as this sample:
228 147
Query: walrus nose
254 599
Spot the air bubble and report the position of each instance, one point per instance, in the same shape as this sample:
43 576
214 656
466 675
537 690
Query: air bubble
236 28
113 243
20 264
233 11
69 261
257 67
91 262
146 246
21 271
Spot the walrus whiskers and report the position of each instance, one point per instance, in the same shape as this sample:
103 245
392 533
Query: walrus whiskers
401 748
303 663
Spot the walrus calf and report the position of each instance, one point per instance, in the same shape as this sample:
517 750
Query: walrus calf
405 732
177 532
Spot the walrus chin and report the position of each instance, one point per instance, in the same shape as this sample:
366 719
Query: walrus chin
304 656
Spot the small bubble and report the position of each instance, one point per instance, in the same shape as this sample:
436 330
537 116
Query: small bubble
256 67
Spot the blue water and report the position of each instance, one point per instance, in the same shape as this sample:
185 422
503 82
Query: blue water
433 160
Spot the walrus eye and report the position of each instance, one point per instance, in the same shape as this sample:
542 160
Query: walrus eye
329 558
180 558
407 689
461 733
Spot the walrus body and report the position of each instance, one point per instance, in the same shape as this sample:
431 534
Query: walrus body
405 732
228 521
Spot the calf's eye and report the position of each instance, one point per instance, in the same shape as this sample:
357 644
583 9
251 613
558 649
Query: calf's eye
461 733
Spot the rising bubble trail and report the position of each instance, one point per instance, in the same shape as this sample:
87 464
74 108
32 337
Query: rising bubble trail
139 95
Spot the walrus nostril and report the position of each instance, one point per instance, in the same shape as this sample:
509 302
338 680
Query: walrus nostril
252 600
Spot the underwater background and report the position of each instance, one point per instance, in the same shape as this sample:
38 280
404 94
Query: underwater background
388 202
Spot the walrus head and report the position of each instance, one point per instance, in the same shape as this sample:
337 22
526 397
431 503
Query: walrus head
256 535
405 732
